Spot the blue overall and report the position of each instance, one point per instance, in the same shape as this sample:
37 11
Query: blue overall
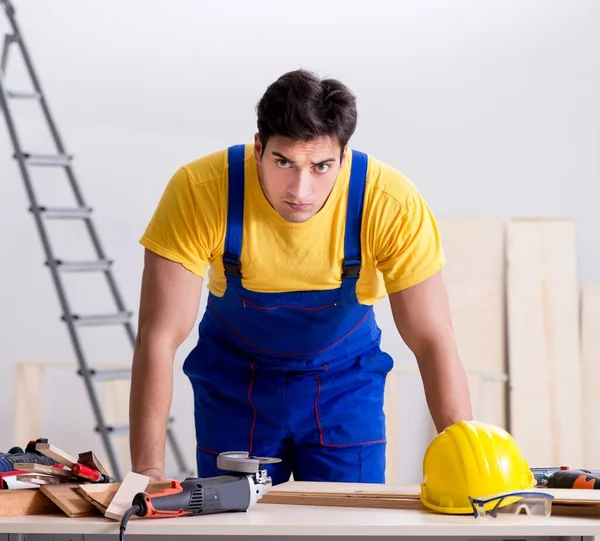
295 375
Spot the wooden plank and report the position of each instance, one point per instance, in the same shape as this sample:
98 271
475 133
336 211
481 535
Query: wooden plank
91 460
574 495
55 453
42 468
590 358
40 479
356 489
376 490
131 485
115 397
543 337
28 396
341 501
18 503
69 500
392 423
399 496
475 280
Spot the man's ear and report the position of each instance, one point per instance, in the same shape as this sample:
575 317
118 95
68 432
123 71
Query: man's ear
258 148
344 156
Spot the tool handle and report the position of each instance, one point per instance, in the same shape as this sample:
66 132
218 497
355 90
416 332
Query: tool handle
87 473
574 479
170 502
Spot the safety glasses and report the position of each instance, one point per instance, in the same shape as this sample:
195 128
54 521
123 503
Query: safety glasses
507 505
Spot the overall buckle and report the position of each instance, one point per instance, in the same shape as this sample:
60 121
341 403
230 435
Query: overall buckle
232 266
351 268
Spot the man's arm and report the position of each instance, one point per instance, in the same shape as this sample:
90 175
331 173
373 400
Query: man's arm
169 301
422 316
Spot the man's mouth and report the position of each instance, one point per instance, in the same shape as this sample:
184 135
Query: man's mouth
298 206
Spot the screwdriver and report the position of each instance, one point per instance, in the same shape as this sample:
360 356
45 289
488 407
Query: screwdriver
89 473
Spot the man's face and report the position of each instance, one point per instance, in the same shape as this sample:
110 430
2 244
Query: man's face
298 176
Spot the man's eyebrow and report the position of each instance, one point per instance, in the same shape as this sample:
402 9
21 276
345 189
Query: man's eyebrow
322 162
275 153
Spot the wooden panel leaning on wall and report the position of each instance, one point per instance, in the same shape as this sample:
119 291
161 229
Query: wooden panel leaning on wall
474 276
590 352
544 345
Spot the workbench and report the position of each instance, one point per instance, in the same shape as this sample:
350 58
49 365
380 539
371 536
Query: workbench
299 521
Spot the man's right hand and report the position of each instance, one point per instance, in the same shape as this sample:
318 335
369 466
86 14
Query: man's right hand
169 301
154 474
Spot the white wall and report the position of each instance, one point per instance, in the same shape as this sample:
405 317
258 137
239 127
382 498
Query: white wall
492 108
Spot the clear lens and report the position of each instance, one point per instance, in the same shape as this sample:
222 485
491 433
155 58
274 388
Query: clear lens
509 505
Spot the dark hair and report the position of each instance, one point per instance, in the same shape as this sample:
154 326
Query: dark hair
301 106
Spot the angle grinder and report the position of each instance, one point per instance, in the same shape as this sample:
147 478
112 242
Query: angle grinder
244 484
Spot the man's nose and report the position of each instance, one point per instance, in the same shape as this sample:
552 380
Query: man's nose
301 187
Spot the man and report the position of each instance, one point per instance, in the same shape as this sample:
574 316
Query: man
301 236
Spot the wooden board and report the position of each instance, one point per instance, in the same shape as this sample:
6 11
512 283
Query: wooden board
115 397
398 497
543 338
342 501
474 276
354 489
590 358
43 468
27 402
55 453
40 479
392 415
17 503
121 501
69 500
90 460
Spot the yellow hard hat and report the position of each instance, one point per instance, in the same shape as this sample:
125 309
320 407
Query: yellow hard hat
471 458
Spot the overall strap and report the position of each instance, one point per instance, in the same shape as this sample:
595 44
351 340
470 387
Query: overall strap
356 191
235 212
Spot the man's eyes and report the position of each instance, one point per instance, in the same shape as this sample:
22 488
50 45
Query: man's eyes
320 168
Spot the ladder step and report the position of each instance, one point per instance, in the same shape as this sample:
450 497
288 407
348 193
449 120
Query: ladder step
83 266
107 374
20 95
118 430
65 213
50 160
102 319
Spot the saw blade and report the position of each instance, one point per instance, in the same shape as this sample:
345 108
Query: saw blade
241 461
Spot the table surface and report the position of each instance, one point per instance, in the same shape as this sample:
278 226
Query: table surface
280 520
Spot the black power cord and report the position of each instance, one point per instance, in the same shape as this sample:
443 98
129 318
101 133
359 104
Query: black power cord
133 510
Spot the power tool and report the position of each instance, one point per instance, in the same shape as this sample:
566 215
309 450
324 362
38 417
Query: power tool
29 455
565 477
244 484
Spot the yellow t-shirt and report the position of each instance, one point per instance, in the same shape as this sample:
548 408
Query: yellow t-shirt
400 241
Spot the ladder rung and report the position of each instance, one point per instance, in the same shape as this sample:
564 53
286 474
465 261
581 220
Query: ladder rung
84 266
103 319
50 160
117 430
110 374
65 213
20 95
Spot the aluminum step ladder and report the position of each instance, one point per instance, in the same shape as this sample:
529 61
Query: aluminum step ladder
58 268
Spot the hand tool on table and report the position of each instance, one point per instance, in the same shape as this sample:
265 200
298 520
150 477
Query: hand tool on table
29 456
91 474
565 477
244 484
